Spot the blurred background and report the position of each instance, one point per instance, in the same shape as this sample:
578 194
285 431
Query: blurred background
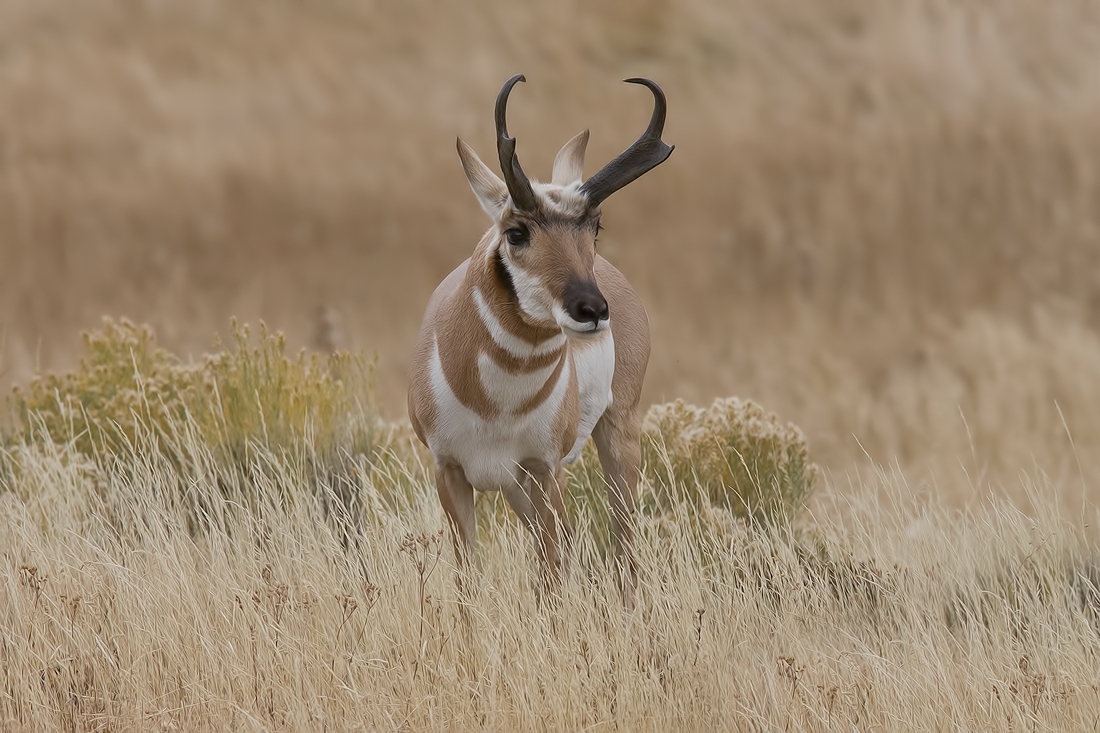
881 221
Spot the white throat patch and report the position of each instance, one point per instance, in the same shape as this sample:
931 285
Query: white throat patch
534 300
514 345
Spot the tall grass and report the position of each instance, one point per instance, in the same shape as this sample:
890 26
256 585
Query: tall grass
118 610
880 223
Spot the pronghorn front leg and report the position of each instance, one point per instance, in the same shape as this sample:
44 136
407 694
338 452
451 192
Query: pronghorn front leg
617 438
457 497
538 500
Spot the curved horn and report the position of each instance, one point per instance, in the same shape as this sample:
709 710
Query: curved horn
518 186
647 152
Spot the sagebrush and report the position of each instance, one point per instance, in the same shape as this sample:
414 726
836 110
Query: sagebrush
130 397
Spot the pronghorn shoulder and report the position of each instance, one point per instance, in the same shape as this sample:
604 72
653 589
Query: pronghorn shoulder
448 288
613 284
423 409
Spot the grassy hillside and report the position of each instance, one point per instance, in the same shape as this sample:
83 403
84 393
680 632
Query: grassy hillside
879 221
235 545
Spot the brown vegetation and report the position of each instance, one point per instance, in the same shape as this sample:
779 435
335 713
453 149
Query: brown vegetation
113 616
881 222
215 547
866 203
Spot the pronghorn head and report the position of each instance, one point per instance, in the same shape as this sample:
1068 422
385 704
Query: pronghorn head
543 241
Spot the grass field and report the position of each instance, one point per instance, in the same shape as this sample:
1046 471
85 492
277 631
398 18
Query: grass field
236 545
881 224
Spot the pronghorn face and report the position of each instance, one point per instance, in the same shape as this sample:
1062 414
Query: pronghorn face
549 262
545 257
543 244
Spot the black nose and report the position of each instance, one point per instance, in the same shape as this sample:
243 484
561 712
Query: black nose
591 309
584 302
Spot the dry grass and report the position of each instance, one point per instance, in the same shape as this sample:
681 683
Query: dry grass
166 567
857 192
880 222
118 613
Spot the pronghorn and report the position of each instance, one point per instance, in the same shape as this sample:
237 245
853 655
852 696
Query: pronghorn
534 344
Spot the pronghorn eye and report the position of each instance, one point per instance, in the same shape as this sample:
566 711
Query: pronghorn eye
518 236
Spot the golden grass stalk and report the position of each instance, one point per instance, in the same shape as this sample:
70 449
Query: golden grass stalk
115 613
154 581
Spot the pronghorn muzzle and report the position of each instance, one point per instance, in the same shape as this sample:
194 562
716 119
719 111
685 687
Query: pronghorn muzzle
584 303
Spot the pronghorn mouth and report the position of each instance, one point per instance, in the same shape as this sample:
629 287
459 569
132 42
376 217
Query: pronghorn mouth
589 330
580 328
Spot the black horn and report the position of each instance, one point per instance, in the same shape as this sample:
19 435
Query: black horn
518 185
647 152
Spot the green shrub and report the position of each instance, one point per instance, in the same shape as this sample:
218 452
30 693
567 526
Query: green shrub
734 454
127 392
731 461
258 393
263 425
122 382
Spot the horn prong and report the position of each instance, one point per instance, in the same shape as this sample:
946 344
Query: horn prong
519 187
645 154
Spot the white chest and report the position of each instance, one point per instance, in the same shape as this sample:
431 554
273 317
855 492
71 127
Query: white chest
490 450
595 364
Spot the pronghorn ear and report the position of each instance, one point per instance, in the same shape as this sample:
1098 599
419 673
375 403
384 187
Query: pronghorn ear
569 162
491 192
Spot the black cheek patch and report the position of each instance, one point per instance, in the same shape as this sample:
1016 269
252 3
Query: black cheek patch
504 277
